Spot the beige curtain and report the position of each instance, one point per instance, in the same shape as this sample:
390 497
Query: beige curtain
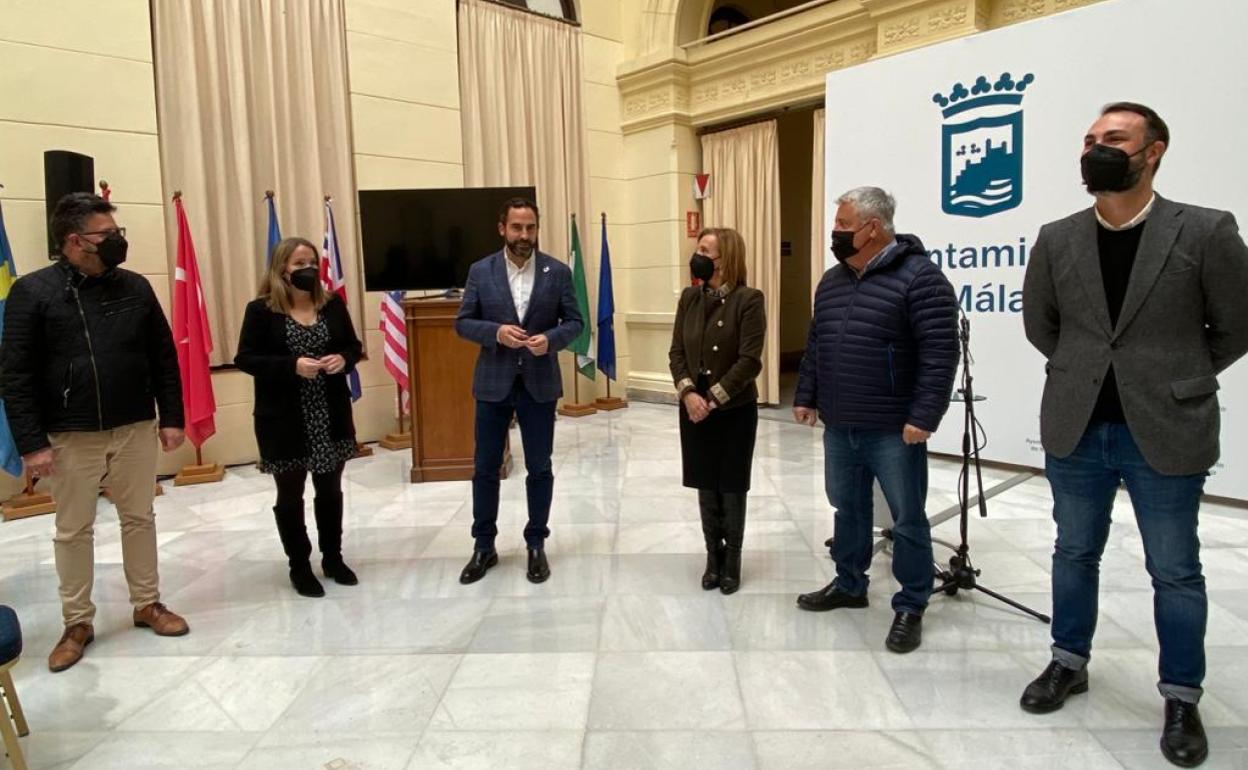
253 96
744 165
819 239
522 112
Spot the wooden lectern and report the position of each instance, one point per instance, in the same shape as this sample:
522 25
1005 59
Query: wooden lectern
439 368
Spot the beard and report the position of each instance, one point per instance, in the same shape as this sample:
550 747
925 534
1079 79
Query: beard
522 247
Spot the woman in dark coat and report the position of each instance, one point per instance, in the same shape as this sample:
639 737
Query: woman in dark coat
298 342
716 354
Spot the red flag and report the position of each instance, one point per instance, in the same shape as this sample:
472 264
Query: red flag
193 338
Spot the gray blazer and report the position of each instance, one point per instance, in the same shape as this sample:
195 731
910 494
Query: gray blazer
488 304
1184 319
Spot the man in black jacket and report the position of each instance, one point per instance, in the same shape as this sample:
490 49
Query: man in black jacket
86 357
878 370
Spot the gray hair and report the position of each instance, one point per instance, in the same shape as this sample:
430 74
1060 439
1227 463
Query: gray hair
871 203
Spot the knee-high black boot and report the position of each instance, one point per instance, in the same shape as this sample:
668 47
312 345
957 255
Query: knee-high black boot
713 532
734 534
328 507
294 536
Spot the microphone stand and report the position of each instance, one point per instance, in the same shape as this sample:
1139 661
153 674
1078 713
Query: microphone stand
962 574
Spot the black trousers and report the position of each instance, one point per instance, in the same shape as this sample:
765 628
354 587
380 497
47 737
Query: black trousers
327 506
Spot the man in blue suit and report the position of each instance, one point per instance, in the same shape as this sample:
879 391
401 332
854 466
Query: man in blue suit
520 308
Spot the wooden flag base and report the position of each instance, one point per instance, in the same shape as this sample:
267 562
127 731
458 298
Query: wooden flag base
28 504
610 403
395 441
199 474
362 450
577 410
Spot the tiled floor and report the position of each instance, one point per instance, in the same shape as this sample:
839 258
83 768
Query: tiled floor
621 660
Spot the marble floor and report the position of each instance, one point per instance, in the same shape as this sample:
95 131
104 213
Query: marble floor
621 660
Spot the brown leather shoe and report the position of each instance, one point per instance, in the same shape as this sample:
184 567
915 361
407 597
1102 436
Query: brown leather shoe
157 617
69 650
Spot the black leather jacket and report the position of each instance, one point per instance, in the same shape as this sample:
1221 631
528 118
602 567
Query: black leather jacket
85 354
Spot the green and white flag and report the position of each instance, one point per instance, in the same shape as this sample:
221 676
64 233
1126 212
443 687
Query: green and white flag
584 341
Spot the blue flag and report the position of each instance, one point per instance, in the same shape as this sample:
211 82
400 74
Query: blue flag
606 310
10 458
275 232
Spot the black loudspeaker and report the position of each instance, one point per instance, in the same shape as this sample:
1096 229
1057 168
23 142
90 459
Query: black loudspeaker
64 172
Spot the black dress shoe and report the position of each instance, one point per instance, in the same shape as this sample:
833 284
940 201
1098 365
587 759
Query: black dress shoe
829 598
305 582
478 565
539 568
906 633
1048 692
337 571
1183 740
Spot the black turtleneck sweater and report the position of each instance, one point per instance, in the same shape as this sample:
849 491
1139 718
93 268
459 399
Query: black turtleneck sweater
1117 252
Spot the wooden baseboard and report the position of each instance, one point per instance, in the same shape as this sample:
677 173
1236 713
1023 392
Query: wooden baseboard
199 474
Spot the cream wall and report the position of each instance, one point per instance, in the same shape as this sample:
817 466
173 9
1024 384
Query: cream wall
78 75
404 75
672 85
74 78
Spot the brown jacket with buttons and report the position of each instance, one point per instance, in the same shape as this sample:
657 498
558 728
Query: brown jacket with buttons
721 338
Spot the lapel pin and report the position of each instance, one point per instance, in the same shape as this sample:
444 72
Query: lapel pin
546 269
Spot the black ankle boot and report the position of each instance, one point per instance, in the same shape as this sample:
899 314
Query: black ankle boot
337 570
305 582
734 533
713 533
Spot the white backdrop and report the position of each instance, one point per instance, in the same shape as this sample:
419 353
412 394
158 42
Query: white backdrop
885 128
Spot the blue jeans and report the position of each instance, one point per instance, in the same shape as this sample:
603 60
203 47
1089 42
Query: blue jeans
1084 485
853 459
537 433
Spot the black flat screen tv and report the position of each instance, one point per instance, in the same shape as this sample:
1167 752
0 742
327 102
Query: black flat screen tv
421 240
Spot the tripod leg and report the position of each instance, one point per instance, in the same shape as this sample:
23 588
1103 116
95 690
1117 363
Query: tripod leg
1006 600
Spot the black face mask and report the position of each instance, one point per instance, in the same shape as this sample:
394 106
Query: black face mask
305 278
112 250
702 267
1108 169
843 247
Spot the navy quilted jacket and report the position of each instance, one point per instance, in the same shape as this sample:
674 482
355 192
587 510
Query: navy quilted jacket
883 349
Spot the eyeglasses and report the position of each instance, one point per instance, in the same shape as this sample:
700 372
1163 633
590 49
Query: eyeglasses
120 231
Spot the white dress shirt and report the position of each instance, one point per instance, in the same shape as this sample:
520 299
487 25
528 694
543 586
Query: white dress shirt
521 280
1133 221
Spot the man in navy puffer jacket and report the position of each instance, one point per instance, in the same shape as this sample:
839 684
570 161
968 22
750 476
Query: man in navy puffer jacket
878 370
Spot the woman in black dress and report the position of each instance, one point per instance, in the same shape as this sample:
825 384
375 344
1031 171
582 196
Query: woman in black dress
716 354
298 342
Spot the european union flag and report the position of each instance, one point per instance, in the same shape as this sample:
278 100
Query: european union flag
606 310
275 232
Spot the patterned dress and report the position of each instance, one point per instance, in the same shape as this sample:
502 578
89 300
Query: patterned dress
324 454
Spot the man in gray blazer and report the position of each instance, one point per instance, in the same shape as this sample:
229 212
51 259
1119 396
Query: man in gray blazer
520 308
1138 303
